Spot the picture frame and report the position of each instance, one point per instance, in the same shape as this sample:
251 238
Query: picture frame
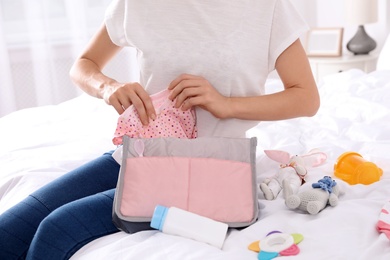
324 42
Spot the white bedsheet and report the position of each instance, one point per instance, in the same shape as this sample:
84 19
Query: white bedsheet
40 144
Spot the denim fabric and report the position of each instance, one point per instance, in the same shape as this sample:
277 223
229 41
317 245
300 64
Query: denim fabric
61 217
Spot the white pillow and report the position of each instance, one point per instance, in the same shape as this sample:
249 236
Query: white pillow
384 56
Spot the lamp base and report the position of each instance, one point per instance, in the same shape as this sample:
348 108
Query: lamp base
361 43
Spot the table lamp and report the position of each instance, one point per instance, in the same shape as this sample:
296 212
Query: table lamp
361 12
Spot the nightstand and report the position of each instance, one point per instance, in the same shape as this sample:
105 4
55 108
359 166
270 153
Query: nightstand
329 65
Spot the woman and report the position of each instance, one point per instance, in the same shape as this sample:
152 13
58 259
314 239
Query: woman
214 56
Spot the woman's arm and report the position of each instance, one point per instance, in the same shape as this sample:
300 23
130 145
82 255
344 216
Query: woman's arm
300 97
86 73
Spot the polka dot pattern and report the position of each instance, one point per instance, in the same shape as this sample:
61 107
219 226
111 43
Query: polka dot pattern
169 122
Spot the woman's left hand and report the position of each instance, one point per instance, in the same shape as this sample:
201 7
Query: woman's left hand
190 90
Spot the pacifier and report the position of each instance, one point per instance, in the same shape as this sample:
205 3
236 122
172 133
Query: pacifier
353 168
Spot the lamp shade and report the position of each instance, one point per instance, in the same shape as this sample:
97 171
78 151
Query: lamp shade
359 12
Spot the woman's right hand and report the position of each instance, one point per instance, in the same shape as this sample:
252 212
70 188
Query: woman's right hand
123 95
86 72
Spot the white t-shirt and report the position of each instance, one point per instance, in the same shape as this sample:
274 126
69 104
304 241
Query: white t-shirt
233 44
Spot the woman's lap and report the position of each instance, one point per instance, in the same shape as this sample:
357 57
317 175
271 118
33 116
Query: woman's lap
73 225
63 215
93 177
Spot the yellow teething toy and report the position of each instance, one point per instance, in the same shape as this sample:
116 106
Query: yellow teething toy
353 168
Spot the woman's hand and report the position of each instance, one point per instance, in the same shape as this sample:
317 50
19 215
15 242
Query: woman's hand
122 96
86 73
190 90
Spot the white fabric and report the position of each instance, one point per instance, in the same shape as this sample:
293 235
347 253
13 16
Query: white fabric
39 144
7 104
39 41
233 44
384 57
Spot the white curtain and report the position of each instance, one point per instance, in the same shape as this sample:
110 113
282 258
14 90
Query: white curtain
39 41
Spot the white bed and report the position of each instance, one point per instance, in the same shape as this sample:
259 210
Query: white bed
39 144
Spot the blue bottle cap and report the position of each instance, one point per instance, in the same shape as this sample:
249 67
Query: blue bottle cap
159 215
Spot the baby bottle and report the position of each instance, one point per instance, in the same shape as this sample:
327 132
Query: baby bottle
175 221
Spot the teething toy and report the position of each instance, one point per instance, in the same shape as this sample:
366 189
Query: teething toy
276 244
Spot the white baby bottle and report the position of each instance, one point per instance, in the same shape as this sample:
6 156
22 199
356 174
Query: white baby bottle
175 221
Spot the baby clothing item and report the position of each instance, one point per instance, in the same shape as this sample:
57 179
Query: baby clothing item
170 121
383 224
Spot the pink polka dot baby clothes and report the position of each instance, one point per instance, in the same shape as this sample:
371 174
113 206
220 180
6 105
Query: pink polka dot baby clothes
169 122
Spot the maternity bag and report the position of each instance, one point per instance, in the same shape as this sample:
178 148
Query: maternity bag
214 177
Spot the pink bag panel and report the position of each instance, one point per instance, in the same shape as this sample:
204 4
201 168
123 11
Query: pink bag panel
143 186
223 185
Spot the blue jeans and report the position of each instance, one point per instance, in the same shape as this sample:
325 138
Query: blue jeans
66 214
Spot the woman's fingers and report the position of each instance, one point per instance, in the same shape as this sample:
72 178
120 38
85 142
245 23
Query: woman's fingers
190 91
147 104
192 102
125 102
139 106
185 90
144 106
182 82
180 78
123 96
